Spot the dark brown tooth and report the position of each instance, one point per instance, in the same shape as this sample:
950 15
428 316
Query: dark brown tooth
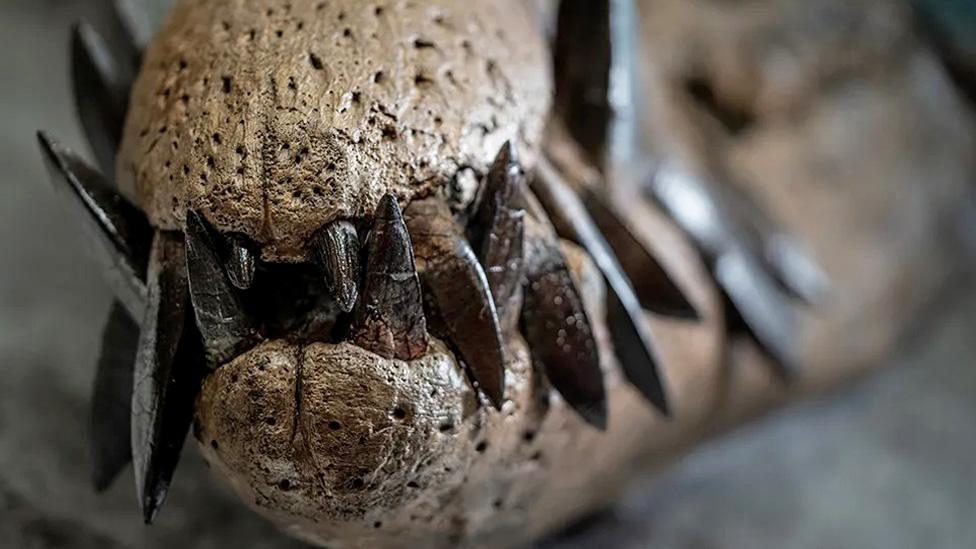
112 398
335 249
556 327
101 89
498 233
121 29
120 232
655 289
628 327
458 290
168 373
241 262
226 328
582 61
389 319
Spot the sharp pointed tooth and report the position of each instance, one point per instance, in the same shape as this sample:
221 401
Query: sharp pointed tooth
120 232
226 328
112 398
655 289
766 313
389 319
458 288
101 88
241 262
557 328
498 234
168 374
628 327
335 249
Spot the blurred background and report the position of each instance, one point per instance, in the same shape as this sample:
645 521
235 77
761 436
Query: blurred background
853 123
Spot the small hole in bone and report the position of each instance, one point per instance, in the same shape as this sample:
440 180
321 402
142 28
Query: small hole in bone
399 413
335 425
214 444
481 447
226 84
358 483
284 484
316 61
377 524
445 427
412 484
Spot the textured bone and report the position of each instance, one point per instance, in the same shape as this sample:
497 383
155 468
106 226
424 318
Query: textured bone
274 119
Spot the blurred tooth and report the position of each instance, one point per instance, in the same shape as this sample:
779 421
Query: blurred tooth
241 262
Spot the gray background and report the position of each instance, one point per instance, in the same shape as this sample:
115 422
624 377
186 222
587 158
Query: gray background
888 462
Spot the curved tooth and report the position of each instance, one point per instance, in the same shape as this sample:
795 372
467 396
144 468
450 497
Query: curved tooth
335 249
241 262
226 328
556 327
625 318
656 290
389 320
498 233
459 292
112 398
120 232
168 374
764 312
101 89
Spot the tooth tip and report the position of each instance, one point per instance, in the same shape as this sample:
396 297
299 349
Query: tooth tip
388 208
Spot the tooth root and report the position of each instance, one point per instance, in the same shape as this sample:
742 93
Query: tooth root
168 374
556 327
656 290
241 262
389 319
101 89
119 231
226 328
112 398
335 249
625 318
458 289
498 234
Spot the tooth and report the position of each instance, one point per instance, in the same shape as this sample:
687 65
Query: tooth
557 328
122 29
240 262
628 327
168 374
757 302
120 232
458 289
498 233
582 62
655 289
226 328
389 319
112 398
335 249
101 89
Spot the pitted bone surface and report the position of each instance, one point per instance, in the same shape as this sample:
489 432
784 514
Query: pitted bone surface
274 118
